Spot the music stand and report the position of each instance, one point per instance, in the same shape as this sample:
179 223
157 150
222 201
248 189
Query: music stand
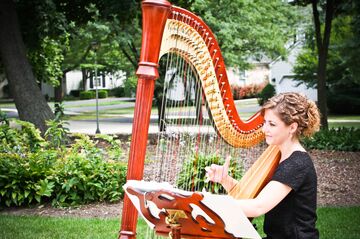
183 214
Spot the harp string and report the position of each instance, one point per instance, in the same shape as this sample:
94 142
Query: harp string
189 134
189 128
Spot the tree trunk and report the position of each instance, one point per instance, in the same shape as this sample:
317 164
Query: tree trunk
84 79
321 90
60 90
322 44
29 101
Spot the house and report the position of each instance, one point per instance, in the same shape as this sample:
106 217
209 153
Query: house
283 77
278 72
74 82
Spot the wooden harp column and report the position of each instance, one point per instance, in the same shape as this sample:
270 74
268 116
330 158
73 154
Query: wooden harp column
155 14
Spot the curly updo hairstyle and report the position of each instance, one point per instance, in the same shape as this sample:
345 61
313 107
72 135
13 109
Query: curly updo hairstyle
294 107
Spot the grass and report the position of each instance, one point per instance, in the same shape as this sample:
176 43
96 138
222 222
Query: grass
333 223
35 227
344 124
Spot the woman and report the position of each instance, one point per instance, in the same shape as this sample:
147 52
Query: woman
289 199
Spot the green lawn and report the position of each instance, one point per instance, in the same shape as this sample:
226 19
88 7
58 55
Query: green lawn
333 223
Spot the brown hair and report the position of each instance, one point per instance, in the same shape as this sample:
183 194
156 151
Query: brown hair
294 107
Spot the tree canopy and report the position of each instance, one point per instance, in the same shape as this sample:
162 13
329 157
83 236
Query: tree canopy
60 34
248 29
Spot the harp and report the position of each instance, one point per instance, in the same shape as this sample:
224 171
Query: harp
191 40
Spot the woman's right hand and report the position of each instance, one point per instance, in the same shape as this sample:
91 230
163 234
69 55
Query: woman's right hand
218 173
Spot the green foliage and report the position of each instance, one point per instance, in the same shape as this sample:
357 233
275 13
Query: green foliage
59 111
118 91
130 86
248 29
20 140
340 139
45 36
35 171
3 118
342 71
102 94
47 61
57 133
84 176
343 100
114 151
86 95
107 32
268 92
192 174
23 177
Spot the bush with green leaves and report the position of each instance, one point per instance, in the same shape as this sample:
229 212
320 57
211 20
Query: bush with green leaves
57 133
35 171
86 95
192 174
117 91
340 139
268 92
130 86
84 176
102 94
20 139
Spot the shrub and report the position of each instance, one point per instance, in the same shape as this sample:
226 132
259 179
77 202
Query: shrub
248 91
117 92
57 134
102 94
130 86
268 92
192 174
25 138
75 93
86 95
33 170
340 139
24 177
344 101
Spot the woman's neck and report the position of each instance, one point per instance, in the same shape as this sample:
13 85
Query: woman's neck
288 147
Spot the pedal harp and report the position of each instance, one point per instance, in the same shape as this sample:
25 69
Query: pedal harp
192 40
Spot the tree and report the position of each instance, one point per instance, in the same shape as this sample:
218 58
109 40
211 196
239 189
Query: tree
248 29
103 22
29 101
323 14
343 75
330 64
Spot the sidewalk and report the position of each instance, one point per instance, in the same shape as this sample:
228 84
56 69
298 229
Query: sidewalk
120 125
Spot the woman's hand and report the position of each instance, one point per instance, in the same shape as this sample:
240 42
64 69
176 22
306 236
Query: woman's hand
218 173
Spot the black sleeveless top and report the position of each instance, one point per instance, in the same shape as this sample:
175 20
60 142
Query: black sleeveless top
295 216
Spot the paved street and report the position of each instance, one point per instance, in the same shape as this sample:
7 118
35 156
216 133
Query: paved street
120 124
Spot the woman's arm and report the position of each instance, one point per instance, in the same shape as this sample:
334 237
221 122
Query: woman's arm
271 195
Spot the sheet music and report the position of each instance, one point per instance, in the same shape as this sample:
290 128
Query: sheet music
225 206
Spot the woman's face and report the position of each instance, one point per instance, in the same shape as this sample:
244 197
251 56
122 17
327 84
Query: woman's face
276 131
